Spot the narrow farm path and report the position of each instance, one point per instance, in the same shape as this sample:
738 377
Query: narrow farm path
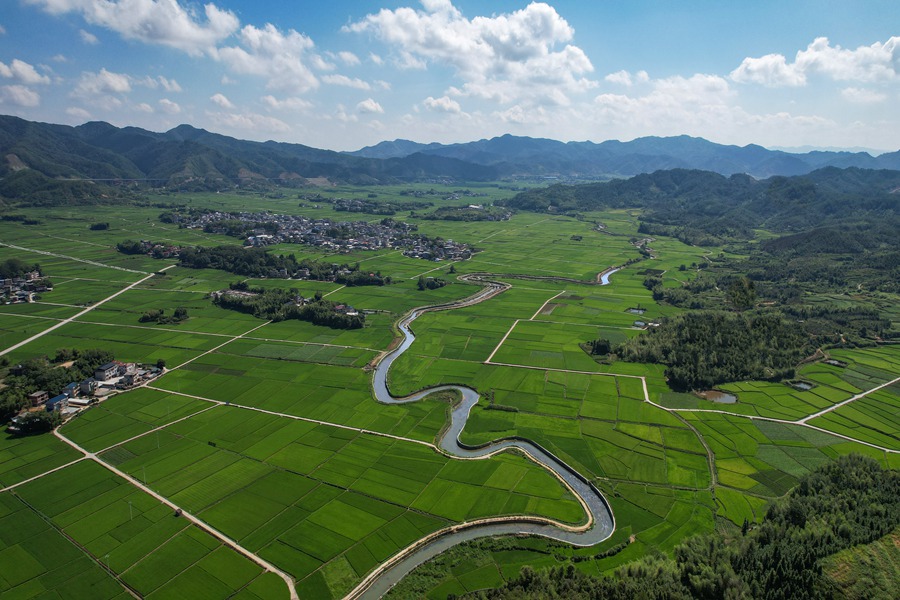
84 312
67 257
196 521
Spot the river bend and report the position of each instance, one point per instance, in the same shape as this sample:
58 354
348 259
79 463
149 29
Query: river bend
600 523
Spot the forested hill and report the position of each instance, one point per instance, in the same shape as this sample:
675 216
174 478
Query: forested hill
840 505
734 206
516 155
187 156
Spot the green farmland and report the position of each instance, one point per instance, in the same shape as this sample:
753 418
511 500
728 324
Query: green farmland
269 435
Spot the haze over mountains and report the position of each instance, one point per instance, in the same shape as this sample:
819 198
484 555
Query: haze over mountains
101 151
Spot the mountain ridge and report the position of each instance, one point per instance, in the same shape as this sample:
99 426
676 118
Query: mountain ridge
187 157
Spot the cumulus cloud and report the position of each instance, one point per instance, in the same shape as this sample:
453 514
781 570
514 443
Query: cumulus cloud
376 59
60 58
863 96
771 70
293 103
169 107
22 72
88 37
221 100
249 122
277 56
19 95
505 57
369 106
164 22
345 81
702 105
442 104
144 107
877 62
102 82
627 79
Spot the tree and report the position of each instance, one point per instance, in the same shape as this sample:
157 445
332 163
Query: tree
742 293
161 364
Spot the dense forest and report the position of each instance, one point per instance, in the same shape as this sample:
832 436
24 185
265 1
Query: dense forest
723 208
840 505
282 305
705 348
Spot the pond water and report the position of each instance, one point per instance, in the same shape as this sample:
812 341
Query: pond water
718 396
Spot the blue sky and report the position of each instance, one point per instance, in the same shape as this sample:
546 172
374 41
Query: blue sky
344 74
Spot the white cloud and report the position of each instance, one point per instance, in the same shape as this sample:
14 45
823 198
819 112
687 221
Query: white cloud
169 107
295 104
279 57
627 79
169 85
376 59
164 22
60 58
19 95
369 106
771 70
78 113
249 122
863 96
345 81
22 72
144 107
104 82
88 37
226 80
222 101
505 57
877 62
348 58
2 30
342 115
442 104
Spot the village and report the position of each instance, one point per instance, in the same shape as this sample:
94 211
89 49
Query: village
17 290
265 229
108 379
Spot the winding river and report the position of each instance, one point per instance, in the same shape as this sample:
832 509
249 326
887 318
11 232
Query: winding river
600 522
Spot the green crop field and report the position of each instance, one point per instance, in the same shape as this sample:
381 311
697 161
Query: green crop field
269 431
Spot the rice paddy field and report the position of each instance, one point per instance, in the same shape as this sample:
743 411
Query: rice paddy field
269 432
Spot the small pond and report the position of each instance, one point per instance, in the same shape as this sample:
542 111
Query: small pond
718 397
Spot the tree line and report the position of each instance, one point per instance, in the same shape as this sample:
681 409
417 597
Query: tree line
842 504
282 305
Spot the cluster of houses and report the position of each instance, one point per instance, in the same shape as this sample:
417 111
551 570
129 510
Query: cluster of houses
438 250
16 290
341 236
77 395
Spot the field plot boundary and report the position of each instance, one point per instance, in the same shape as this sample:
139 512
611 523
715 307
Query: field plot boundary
81 260
269 567
85 311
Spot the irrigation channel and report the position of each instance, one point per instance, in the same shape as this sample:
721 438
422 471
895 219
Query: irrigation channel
600 522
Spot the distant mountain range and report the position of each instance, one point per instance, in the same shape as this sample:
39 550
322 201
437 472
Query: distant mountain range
512 155
37 157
